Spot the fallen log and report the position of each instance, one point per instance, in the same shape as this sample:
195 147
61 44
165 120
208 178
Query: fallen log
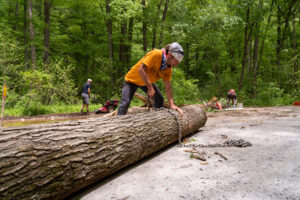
51 161
145 100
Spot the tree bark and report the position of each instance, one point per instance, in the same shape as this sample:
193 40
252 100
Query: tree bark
255 58
186 60
278 48
264 36
294 45
15 27
144 26
109 35
249 52
52 161
145 100
123 38
129 45
32 37
46 30
216 73
155 26
162 23
25 30
245 48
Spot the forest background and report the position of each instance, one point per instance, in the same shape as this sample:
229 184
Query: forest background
48 49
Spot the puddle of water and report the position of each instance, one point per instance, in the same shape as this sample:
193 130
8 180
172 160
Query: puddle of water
23 122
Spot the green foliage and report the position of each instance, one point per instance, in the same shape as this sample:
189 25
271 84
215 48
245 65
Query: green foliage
50 85
269 94
185 91
36 108
211 32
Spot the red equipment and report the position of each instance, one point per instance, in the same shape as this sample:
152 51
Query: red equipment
109 106
219 106
297 103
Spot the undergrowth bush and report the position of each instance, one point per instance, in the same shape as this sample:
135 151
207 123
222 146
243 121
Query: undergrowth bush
35 109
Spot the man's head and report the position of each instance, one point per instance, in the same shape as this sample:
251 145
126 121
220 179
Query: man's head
175 54
89 81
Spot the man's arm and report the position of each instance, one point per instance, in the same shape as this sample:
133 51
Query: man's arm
89 91
143 73
169 93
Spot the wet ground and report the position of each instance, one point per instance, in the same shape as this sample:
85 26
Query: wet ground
50 118
269 169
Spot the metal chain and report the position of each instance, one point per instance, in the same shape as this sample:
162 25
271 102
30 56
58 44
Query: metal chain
173 113
227 143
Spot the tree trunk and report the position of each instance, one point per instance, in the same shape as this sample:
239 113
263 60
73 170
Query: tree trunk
186 60
51 161
25 30
245 49
110 41
144 26
256 48
129 45
15 27
145 100
278 48
264 36
255 59
249 59
197 62
294 45
232 61
46 30
162 23
155 26
32 37
217 75
123 38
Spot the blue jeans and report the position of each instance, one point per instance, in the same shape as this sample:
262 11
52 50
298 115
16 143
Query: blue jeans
128 92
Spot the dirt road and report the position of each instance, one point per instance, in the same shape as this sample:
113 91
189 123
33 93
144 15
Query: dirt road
269 169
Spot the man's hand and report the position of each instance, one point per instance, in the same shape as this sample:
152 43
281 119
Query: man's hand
151 92
173 107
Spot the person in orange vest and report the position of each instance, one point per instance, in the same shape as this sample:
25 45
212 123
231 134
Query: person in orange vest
231 96
156 64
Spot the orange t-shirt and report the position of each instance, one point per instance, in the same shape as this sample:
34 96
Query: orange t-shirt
153 61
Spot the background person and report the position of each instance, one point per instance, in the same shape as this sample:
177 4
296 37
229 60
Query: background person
231 95
156 64
86 91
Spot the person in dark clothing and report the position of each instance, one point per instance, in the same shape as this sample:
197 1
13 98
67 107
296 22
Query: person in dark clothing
231 95
86 91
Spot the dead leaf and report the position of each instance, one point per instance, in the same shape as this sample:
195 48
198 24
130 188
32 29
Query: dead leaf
224 136
204 163
199 157
190 151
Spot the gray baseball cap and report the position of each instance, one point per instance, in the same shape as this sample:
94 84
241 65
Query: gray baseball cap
177 51
89 80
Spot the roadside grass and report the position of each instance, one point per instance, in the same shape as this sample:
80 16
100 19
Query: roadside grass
38 109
